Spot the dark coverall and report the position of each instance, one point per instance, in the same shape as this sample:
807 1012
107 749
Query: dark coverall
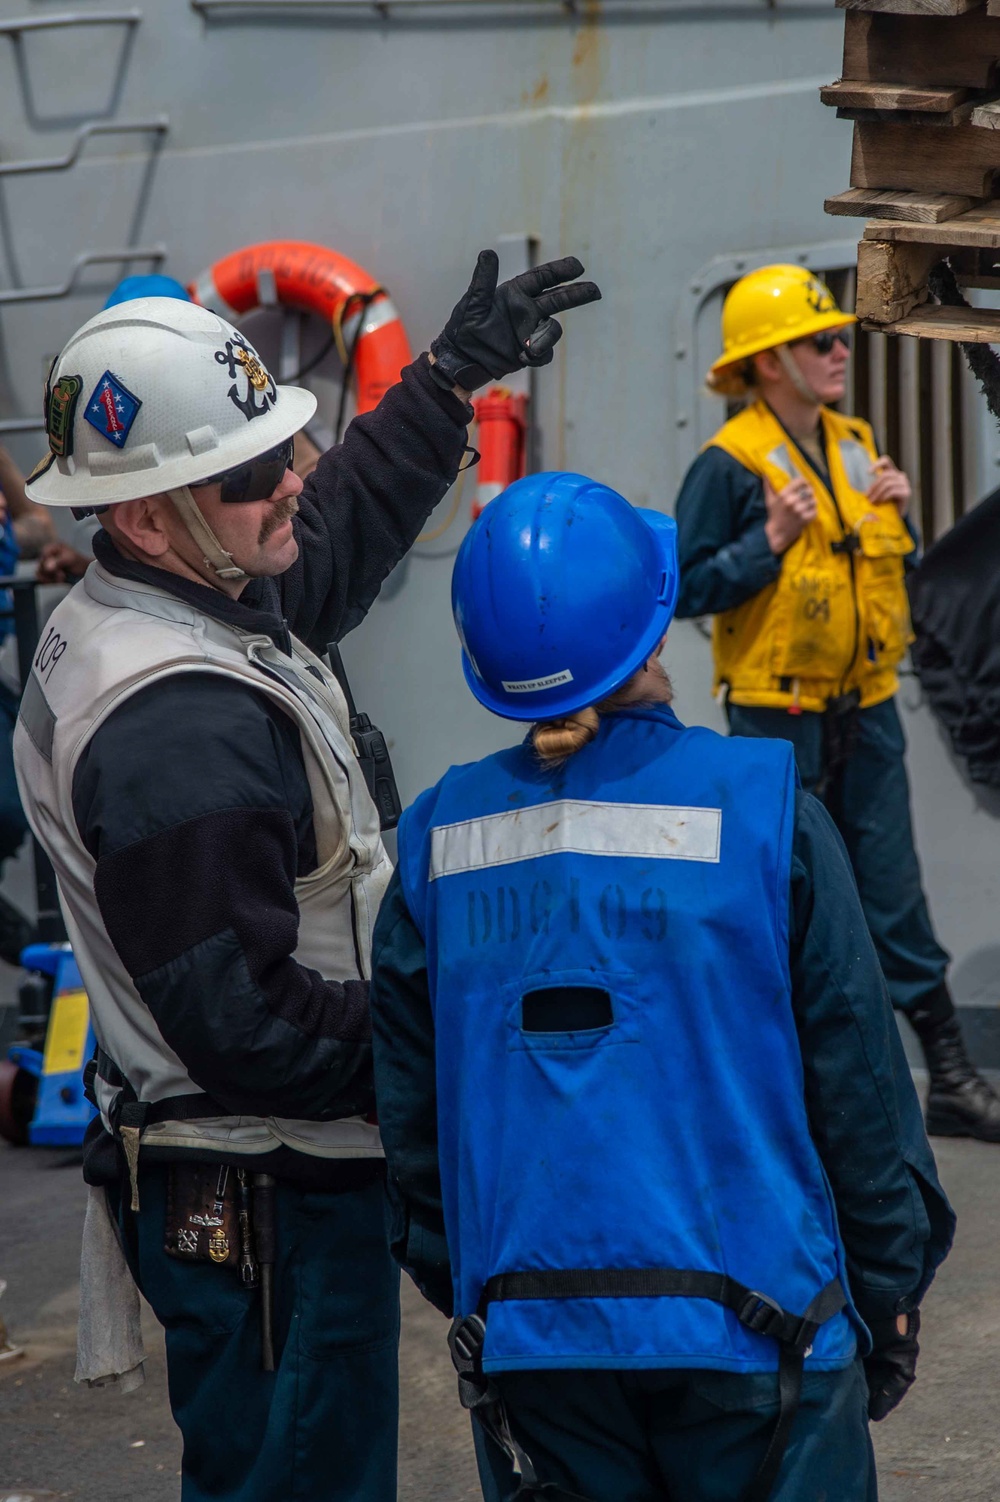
588 1432
725 559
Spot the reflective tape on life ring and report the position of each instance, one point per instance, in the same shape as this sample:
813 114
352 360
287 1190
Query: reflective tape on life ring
313 278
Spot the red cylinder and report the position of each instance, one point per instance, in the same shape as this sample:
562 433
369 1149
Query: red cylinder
503 426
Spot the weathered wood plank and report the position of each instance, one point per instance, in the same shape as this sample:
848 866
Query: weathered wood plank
892 279
912 7
955 52
966 325
986 116
962 160
910 208
979 229
959 116
855 93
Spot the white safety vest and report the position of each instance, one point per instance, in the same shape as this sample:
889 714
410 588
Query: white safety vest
110 638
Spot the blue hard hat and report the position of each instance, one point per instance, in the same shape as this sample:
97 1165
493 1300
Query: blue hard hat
561 591
147 286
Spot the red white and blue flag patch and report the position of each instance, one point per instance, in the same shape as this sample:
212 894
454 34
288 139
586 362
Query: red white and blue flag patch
112 409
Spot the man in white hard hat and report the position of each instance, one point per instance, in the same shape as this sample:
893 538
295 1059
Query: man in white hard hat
187 763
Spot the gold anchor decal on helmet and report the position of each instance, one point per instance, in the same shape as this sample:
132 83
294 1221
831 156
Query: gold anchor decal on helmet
239 357
258 376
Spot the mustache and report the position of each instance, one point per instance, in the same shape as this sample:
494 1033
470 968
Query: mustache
282 512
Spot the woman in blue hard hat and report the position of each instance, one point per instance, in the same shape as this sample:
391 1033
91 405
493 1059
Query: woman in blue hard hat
651 1138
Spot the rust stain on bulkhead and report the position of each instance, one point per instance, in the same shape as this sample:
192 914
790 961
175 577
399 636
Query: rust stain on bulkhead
539 94
587 57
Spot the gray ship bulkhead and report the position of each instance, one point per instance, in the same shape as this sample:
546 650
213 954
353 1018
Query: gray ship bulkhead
669 145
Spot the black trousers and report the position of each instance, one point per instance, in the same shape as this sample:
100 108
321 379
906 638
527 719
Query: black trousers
869 801
682 1436
322 1427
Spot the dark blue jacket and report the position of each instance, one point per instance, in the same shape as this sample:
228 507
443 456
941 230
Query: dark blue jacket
194 801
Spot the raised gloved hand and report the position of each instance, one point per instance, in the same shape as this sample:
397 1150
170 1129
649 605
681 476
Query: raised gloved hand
494 330
891 1369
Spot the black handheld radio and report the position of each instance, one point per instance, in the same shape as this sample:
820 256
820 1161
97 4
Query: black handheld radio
372 751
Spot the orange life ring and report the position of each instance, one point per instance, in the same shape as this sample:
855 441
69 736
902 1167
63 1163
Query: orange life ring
316 280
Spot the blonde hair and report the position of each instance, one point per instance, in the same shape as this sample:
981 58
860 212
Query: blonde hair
555 741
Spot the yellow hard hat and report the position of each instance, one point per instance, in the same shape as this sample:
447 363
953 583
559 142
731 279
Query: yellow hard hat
771 306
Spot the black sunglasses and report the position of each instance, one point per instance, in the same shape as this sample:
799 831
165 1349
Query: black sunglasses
824 341
255 480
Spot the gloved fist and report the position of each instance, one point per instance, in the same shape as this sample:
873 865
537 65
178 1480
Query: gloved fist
891 1369
494 330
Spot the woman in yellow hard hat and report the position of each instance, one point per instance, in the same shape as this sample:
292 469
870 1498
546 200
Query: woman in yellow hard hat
792 533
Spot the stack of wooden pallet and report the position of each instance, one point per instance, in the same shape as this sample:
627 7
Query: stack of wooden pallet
921 81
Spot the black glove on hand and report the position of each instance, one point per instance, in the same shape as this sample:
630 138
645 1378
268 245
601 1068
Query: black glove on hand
891 1369
495 329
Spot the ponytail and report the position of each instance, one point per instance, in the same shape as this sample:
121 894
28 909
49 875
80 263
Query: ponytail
555 740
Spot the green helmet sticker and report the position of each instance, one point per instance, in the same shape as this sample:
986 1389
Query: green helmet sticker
60 408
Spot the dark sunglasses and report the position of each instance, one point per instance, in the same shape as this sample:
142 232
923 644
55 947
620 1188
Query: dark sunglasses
824 341
255 480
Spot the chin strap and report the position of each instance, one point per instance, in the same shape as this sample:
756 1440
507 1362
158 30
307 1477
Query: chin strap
790 366
215 556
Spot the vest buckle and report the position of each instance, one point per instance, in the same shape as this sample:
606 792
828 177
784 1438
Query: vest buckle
847 544
466 1339
762 1315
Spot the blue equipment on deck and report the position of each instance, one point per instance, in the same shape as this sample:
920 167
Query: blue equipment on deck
42 1101
62 1111
41 1075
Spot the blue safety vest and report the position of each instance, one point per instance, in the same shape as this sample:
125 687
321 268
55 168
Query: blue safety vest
620 1086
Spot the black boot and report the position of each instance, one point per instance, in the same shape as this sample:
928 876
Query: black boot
960 1102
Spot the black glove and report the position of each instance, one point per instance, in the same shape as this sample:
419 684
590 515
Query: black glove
891 1369
493 330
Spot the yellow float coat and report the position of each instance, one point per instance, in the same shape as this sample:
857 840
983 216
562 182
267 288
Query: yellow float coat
837 617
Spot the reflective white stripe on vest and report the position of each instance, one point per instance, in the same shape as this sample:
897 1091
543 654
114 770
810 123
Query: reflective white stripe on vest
645 830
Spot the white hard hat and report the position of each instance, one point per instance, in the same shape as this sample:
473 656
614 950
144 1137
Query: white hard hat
154 395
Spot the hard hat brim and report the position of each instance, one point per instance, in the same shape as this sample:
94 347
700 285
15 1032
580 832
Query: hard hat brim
564 701
726 365
62 485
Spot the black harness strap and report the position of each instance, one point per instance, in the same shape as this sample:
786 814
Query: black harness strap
108 1070
794 1333
129 1116
791 1360
478 1394
183 1108
194 1107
